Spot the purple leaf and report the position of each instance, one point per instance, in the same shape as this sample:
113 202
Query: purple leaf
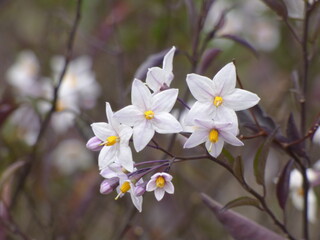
238 168
293 135
239 227
242 42
283 184
278 7
207 58
242 201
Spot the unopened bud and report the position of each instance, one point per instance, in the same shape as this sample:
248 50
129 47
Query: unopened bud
108 185
140 189
94 144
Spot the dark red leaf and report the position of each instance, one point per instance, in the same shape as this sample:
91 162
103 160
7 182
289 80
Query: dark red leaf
278 7
207 58
242 42
283 184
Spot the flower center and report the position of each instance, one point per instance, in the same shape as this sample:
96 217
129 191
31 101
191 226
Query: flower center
160 182
60 106
300 191
217 101
214 136
149 114
111 140
125 187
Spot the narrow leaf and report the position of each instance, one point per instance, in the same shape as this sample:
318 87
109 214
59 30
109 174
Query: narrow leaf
242 42
10 171
238 226
238 168
278 7
207 58
242 201
260 159
283 184
293 134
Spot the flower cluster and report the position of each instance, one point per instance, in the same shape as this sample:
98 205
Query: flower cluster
212 117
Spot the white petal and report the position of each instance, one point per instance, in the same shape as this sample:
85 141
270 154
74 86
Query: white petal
106 157
169 188
166 123
230 138
312 206
196 138
166 176
136 200
167 60
142 134
125 134
157 77
214 149
113 122
151 186
240 99
200 87
296 179
199 111
159 193
129 115
224 114
164 101
225 80
140 95
102 130
125 158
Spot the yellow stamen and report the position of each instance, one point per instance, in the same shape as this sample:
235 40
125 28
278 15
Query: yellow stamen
125 187
300 191
160 182
149 114
60 106
217 101
214 136
111 140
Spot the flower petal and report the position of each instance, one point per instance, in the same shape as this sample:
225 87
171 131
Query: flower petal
201 87
230 138
125 158
129 115
199 110
140 95
169 188
113 122
225 80
159 193
224 114
142 134
164 101
166 123
214 149
240 99
106 157
168 59
102 130
125 134
196 138
166 176
136 200
151 186
157 77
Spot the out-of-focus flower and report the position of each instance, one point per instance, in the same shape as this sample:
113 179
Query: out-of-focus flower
218 98
149 114
297 192
160 183
316 136
79 80
295 9
127 186
23 75
70 156
115 141
214 134
161 78
94 144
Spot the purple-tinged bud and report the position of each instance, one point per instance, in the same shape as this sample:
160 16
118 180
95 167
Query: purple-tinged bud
140 189
94 144
108 185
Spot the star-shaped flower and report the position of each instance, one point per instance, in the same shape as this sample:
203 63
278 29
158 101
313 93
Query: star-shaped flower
115 138
149 114
160 183
218 98
214 134
161 78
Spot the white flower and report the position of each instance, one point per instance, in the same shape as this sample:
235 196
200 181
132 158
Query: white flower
218 98
71 156
79 80
316 136
160 183
214 134
149 114
115 137
127 186
297 193
161 78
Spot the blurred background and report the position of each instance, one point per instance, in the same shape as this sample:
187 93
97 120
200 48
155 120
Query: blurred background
60 198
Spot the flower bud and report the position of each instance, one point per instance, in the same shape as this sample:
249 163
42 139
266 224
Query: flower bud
94 144
140 189
108 185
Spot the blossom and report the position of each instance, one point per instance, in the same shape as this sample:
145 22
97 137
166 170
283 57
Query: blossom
297 192
218 98
161 78
214 134
149 114
160 183
127 186
115 138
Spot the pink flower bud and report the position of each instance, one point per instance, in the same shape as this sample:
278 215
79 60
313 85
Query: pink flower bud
94 144
108 185
140 189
